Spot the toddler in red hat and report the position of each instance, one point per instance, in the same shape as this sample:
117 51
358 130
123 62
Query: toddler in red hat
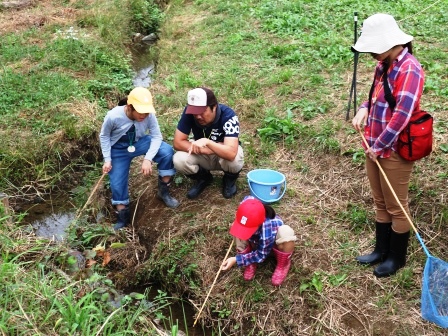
258 230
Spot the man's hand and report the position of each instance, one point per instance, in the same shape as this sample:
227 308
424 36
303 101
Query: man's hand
199 146
146 167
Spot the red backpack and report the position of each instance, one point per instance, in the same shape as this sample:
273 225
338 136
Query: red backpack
415 140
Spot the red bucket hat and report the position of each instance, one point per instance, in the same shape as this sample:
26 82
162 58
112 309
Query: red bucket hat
249 216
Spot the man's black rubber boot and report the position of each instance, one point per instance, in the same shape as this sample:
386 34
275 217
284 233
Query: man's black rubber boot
164 194
379 254
202 178
122 218
229 184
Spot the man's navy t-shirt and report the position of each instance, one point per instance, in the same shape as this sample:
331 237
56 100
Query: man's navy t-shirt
226 124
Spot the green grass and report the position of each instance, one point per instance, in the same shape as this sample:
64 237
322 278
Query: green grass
43 287
53 76
286 67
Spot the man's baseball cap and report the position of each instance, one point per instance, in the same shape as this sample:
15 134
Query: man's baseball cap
198 100
249 216
141 99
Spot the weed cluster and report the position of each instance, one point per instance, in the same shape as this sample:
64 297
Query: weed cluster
57 81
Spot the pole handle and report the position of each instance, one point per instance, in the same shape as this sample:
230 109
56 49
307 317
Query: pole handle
91 194
216 277
398 201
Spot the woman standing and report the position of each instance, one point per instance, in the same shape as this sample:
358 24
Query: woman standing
385 116
124 136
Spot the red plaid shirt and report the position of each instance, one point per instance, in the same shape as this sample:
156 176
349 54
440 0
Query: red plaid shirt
406 79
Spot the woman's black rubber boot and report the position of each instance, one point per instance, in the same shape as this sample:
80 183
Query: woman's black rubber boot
379 254
396 258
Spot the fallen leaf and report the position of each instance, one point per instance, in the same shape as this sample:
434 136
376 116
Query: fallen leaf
90 263
117 245
100 253
106 259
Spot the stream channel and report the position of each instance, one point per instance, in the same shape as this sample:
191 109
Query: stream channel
53 214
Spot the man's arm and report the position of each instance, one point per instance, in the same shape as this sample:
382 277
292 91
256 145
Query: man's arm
181 142
226 150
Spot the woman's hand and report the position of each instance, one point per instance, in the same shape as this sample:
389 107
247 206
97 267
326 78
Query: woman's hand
228 264
107 167
371 154
360 119
146 167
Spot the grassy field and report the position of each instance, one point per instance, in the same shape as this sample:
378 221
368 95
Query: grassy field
286 69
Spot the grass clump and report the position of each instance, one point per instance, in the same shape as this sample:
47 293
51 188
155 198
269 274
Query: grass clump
59 78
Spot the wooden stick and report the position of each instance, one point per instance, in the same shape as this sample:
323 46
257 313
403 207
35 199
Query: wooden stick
91 194
135 211
216 277
390 186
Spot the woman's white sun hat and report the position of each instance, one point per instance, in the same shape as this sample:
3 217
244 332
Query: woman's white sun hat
379 33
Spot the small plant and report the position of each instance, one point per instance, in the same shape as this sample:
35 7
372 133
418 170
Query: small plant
314 284
357 216
444 147
223 312
285 129
319 278
324 139
359 156
404 278
308 109
259 294
382 301
337 280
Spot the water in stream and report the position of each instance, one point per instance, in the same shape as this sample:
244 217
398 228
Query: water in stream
51 217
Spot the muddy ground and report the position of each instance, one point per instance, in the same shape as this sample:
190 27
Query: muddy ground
327 244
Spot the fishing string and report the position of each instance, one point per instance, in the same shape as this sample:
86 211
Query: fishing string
423 10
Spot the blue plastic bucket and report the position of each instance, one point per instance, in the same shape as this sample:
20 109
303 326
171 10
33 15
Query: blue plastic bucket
266 185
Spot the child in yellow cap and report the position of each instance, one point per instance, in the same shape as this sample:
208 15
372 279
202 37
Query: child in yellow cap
130 130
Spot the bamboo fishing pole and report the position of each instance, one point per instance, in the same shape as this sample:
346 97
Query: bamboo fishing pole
91 194
216 277
390 186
